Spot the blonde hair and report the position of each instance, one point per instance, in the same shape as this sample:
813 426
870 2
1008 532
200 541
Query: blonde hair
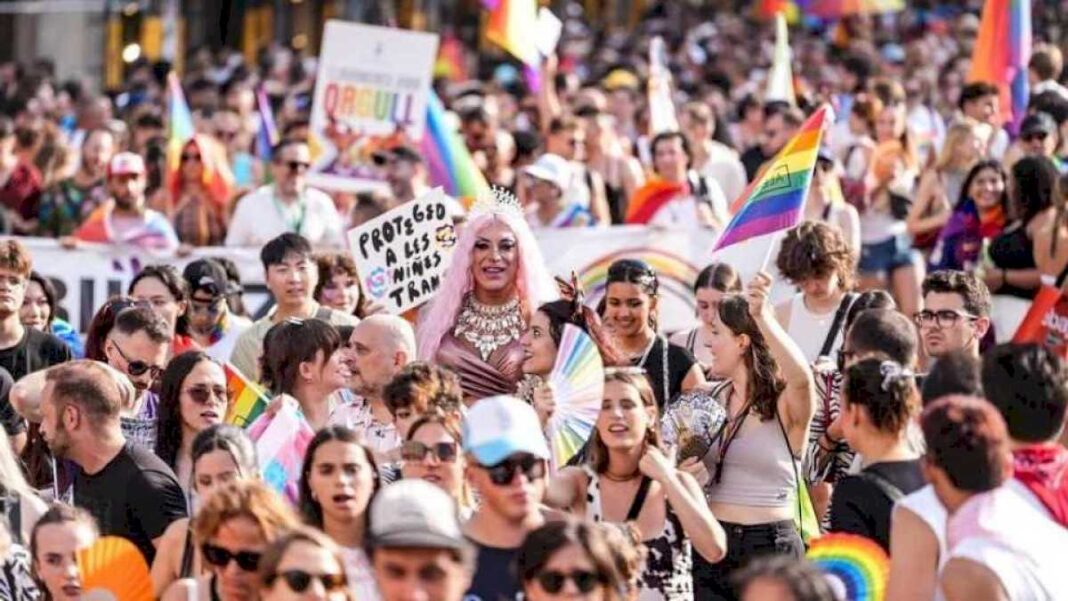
957 134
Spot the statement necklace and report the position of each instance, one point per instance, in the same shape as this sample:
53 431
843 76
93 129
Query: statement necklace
489 327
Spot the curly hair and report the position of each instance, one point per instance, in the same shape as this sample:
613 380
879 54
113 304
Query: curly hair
967 438
972 290
765 381
15 257
422 386
814 249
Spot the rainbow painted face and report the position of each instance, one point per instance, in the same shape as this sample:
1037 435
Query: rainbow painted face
495 259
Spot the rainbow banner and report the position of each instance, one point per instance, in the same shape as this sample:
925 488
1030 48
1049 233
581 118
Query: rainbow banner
1002 51
247 399
447 158
774 200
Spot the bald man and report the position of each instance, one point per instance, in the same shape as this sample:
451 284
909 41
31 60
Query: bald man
379 348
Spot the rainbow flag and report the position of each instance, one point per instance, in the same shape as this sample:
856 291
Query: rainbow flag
774 200
447 158
247 399
1002 51
836 9
511 26
649 199
217 177
267 135
450 61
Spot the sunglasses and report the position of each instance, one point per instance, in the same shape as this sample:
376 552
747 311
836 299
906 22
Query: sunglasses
414 450
298 581
1034 137
248 561
295 166
553 581
186 158
202 394
137 367
503 473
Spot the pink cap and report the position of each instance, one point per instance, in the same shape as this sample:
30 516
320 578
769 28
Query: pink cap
126 163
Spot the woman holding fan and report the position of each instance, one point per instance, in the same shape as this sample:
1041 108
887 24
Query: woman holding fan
628 478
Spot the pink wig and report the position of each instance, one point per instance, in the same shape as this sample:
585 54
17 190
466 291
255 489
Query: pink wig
533 282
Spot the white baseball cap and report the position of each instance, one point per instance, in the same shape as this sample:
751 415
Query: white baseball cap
414 513
499 426
552 168
126 163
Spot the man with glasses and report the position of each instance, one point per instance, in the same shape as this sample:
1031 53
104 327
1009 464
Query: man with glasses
507 456
211 324
287 205
291 274
1038 136
955 315
415 545
131 492
138 346
22 350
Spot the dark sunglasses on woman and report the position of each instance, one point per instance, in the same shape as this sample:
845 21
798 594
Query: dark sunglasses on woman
202 394
298 581
248 561
553 581
503 473
414 450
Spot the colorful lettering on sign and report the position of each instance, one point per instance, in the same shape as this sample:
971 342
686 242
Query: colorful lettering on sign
346 101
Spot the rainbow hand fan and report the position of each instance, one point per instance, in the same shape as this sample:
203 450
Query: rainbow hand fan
113 569
577 380
857 566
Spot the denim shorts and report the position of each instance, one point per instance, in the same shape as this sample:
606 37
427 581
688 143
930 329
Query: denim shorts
888 256
712 581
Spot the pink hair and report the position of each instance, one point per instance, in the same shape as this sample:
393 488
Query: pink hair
533 282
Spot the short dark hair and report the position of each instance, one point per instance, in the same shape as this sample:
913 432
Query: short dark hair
275 251
718 276
815 249
290 343
136 319
172 280
800 577
285 143
669 135
87 384
1046 61
148 120
885 331
956 372
869 299
1031 384
966 438
972 290
974 91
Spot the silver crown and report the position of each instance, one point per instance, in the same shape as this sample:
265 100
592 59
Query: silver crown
498 200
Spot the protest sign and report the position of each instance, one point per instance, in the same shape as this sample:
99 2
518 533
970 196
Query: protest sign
1046 322
402 253
370 94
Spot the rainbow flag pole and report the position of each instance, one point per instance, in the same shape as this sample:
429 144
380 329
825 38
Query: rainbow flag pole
248 400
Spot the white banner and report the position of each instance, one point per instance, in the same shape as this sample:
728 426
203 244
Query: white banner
87 276
370 94
402 253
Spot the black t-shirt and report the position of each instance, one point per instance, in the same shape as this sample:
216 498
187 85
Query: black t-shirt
36 351
861 507
136 496
680 361
495 578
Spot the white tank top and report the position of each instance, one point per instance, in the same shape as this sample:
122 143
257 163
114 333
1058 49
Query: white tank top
809 330
927 507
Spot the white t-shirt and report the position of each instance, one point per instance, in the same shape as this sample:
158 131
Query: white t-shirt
260 216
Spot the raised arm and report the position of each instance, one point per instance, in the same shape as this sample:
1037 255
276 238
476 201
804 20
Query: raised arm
685 497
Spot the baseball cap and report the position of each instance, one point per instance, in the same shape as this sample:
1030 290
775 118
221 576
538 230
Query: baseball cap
1037 123
126 163
401 152
552 168
499 426
207 275
414 513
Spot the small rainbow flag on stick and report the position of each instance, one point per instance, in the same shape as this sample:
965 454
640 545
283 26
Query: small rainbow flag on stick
247 399
774 200
1002 51
448 160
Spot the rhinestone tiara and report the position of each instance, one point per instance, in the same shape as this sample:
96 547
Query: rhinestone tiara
497 200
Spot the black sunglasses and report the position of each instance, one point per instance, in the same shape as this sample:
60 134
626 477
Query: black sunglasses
295 166
553 581
137 367
190 157
202 394
503 473
298 581
413 450
1037 136
248 561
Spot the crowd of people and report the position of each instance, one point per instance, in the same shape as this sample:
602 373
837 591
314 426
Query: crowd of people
865 375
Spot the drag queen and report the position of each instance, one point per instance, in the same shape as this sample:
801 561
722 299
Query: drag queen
496 280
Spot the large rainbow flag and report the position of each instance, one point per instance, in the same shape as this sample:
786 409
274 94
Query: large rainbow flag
447 158
1002 51
217 177
248 400
511 26
774 200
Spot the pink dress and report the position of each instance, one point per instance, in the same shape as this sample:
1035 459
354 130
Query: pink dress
500 374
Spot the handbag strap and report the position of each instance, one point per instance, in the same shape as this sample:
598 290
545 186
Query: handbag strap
885 486
639 499
839 321
793 460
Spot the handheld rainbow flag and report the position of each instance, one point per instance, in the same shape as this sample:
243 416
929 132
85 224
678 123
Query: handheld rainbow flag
267 135
649 199
781 76
857 565
448 160
1002 51
247 399
217 177
510 26
773 201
